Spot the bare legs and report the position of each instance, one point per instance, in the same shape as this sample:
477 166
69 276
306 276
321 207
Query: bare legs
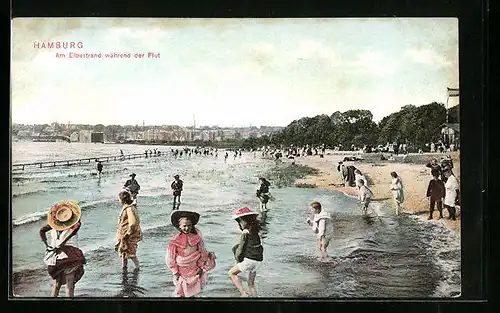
134 259
177 202
70 285
56 286
323 244
251 283
233 274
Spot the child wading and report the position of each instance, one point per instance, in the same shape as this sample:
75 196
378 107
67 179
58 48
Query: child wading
128 233
435 194
365 195
64 259
322 226
263 193
187 257
248 252
176 186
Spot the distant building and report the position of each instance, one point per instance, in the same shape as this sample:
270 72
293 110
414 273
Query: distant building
451 134
97 137
74 137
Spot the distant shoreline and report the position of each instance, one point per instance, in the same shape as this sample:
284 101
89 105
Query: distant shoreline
415 178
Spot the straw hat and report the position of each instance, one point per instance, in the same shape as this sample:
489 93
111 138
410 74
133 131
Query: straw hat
63 215
243 212
176 215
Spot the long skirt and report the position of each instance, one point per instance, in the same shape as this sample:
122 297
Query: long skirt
73 263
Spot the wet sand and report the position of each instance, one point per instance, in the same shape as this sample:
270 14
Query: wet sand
415 179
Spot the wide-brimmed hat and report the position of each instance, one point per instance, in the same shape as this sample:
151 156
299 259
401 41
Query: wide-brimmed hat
176 176
176 215
63 215
243 212
132 175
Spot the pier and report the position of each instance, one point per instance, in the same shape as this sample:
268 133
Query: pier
44 164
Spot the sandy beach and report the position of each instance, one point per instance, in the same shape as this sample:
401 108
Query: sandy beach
415 178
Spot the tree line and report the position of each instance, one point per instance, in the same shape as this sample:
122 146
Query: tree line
415 126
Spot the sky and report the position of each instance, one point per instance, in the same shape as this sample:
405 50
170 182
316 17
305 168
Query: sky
228 72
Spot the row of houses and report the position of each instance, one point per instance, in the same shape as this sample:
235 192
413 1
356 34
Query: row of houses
173 134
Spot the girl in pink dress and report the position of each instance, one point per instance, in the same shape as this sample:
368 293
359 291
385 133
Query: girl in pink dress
187 257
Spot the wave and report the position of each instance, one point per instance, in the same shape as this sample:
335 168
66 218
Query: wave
36 216
29 193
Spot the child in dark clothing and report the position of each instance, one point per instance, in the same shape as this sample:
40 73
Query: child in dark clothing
435 194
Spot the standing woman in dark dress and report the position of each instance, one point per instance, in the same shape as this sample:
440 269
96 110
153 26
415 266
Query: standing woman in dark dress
64 259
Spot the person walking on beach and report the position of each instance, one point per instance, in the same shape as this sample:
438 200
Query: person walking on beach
225 157
99 168
263 193
187 256
365 195
132 186
129 233
322 227
435 194
176 187
249 252
63 257
397 192
452 194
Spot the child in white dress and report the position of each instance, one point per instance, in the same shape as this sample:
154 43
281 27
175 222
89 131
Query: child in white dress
322 227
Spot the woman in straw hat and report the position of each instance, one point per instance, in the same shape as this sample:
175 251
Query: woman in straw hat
129 231
65 261
186 256
248 252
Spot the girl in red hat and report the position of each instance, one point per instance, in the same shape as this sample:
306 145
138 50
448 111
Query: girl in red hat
248 252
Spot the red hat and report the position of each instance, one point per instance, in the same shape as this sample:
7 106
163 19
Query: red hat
243 212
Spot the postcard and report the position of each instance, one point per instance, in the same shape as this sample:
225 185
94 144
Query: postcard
227 158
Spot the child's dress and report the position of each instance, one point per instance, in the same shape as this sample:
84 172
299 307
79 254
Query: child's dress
322 226
186 255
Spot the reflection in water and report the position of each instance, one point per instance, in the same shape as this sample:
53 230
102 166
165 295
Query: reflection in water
129 285
263 224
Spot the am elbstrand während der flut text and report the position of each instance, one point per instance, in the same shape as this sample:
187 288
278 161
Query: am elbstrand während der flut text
111 55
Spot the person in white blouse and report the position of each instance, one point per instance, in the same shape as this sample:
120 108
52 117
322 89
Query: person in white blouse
452 194
322 227
64 259
397 192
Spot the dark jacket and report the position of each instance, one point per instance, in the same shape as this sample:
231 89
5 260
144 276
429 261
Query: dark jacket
249 247
177 187
132 185
264 188
436 189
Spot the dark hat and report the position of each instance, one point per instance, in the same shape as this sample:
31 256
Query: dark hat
316 205
132 175
176 176
176 215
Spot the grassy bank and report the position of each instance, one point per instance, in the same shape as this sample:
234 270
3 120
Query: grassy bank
285 174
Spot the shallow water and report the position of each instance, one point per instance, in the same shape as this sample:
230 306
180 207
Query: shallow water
378 256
